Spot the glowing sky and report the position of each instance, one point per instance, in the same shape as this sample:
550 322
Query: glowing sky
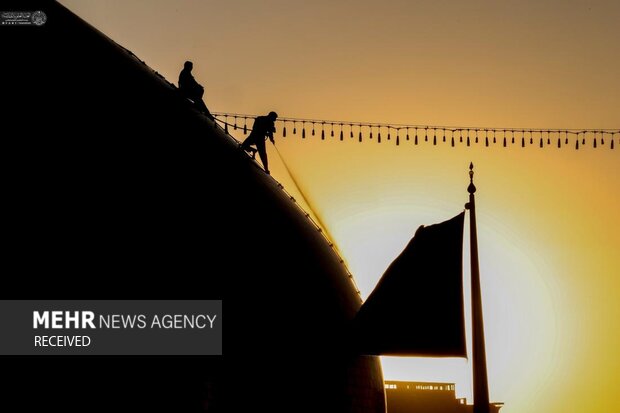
549 227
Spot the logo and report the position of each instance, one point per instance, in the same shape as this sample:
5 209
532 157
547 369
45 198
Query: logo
112 327
22 18
38 18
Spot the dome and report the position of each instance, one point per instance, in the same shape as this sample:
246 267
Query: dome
118 189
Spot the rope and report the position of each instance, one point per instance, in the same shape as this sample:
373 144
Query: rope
306 214
320 224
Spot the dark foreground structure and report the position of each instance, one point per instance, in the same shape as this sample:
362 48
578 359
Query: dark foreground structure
422 397
113 188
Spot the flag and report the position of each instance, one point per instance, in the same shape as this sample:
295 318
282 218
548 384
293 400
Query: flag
416 309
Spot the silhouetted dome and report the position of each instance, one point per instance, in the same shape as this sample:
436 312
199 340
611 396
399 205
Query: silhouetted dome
118 189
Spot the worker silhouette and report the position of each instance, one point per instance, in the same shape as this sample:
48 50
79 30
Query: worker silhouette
262 129
191 89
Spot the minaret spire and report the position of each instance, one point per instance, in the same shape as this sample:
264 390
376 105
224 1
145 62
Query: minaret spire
480 384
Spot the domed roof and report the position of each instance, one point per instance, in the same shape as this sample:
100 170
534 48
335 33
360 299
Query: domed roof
121 190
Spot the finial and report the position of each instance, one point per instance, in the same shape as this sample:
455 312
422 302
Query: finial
471 188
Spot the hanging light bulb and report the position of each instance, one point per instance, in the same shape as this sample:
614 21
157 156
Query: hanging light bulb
303 130
341 133
284 130
294 128
323 132
312 128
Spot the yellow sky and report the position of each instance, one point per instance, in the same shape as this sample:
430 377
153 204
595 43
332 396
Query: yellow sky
548 219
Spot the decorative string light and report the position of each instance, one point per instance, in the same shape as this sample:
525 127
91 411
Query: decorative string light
599 137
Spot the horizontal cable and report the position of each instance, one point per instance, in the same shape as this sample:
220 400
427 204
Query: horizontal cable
434 133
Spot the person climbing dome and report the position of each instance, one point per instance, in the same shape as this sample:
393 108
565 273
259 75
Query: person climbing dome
263 128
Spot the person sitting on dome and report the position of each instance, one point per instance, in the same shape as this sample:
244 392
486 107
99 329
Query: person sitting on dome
191 89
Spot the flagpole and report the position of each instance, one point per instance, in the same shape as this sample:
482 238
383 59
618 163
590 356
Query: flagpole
481 384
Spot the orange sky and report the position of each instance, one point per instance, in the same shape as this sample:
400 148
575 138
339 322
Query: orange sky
548 219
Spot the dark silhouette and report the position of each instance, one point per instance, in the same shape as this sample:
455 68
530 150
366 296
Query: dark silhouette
142 200
191 89
410 292
262 129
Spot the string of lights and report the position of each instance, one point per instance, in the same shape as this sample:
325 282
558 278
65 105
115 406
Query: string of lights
417 133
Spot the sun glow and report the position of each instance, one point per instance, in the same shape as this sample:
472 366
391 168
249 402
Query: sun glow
524 233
